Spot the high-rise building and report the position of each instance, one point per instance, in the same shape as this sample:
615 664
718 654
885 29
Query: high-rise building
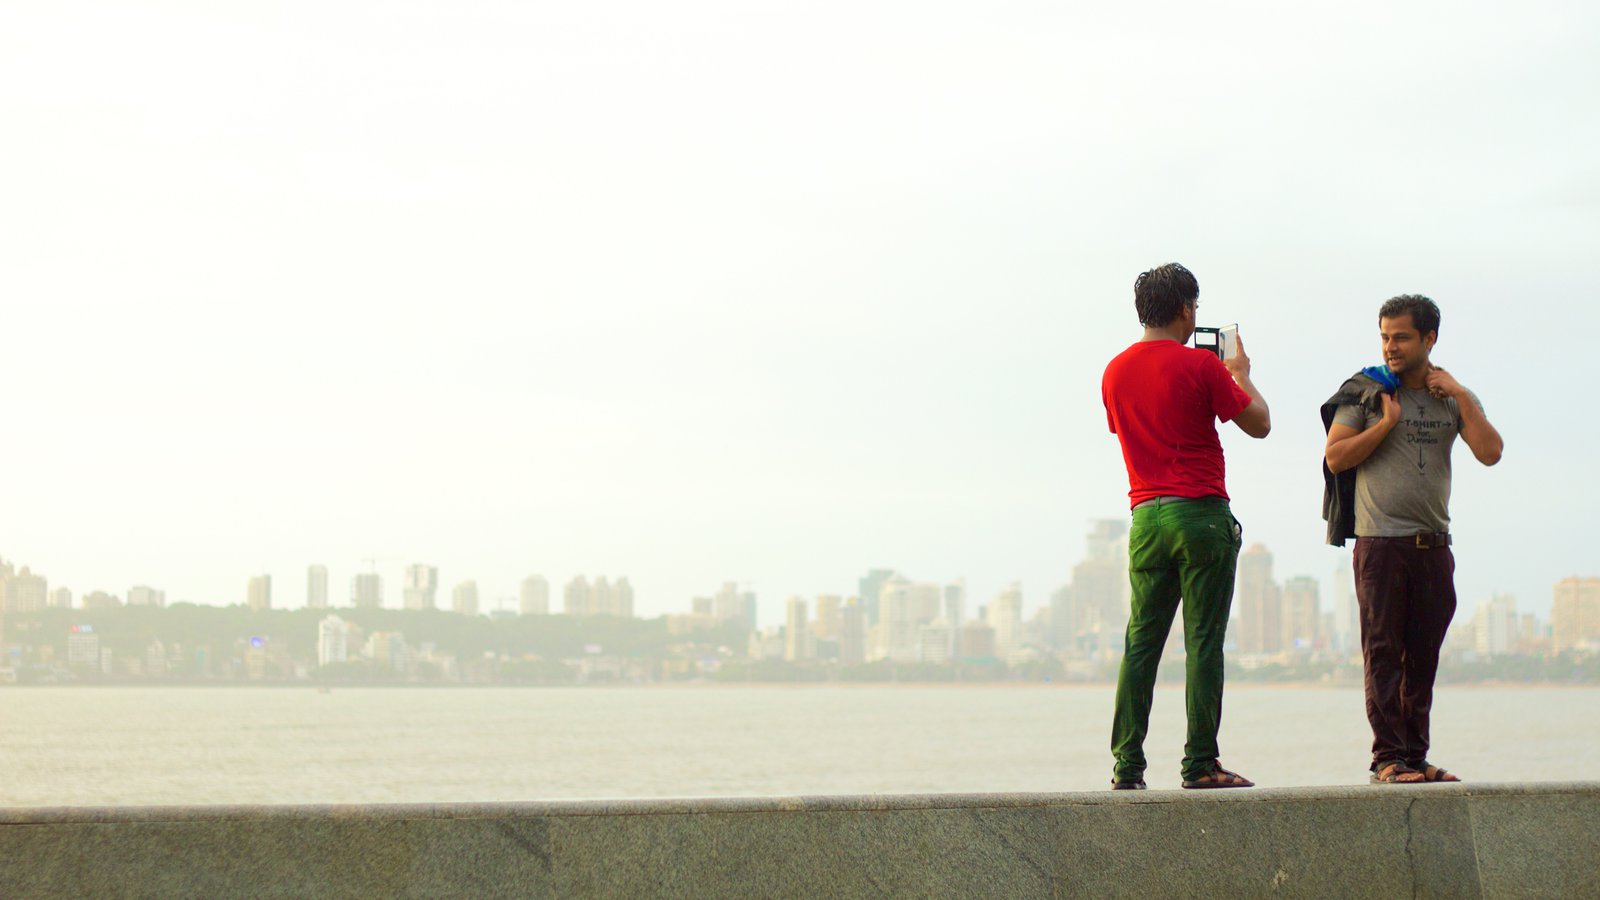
1533 639
726 603
576 597
1092 614
933 642
366 590
977 641
61 598
869 587
141 595
830 607
1005 617
955 611
534 597
388 649
927 599
1036 630
903 608
622 598
852 633
1063 635
1575 614
796 636
767 643
23 592
898 606
1346 635
602 598
1259 602
1302 613
419 587
259 594
464 599
333 641
1494 626
317 587
752 612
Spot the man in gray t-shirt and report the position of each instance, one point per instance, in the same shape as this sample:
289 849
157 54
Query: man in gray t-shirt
1403 487
1404 569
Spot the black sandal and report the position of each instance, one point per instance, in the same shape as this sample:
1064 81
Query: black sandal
1118 784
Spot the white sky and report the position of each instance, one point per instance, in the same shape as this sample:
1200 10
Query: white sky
759 291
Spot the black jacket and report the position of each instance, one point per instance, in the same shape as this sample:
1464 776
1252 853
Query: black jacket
1339 491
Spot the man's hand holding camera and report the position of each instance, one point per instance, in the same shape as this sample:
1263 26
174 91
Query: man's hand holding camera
1238 364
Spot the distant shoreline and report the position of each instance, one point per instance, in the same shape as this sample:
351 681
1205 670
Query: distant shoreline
792 686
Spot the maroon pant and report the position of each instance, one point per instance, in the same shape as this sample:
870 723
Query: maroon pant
1407 596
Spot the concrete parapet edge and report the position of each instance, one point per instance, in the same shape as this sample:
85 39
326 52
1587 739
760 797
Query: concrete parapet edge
800 803
1518 839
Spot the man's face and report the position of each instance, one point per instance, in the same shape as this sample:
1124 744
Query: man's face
1404 349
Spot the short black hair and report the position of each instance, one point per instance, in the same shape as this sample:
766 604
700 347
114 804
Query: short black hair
1424 313
1161 293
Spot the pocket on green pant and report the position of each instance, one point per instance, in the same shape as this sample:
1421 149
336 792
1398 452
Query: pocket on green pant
1210 540
1144 543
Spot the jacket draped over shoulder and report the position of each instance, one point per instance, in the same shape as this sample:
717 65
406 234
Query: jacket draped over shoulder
1339 491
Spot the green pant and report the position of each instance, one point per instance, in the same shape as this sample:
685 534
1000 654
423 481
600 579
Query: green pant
1175 550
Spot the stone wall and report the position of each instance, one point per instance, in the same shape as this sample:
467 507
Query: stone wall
1370 841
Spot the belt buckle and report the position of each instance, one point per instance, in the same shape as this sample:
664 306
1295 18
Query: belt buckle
1422 542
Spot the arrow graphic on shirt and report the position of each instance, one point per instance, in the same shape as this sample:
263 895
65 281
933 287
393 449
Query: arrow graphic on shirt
1420 464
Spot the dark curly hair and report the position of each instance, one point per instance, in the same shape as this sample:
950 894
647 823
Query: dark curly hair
1161 293
1424 313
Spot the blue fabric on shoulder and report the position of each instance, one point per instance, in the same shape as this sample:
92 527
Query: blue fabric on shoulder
1383 376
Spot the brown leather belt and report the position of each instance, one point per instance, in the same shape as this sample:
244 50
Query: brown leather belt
1420 541
1168 501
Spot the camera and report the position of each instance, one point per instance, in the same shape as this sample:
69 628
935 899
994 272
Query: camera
1223 341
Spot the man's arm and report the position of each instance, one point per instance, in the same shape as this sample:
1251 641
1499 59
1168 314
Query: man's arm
1255 419
1348 448
1481 437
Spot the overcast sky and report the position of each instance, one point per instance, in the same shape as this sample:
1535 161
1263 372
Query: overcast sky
758 291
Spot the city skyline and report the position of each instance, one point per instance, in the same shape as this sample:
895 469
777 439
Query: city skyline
895 619
1087 612
922 632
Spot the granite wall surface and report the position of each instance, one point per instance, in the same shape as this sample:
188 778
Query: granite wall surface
1510 840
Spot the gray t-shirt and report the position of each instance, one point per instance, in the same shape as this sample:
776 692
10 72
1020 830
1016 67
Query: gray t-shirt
1403 488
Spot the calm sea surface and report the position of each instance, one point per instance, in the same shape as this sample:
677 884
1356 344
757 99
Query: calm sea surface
82 746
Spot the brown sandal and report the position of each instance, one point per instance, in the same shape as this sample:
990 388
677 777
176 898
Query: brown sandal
1218 777
1395 773
1431 772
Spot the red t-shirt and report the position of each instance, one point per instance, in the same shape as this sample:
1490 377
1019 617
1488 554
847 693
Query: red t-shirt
1162 402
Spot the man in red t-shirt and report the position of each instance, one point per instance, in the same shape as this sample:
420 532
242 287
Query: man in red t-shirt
1163 400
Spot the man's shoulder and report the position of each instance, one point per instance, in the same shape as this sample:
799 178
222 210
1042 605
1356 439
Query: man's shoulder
1161 353
1357 395
1454 404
